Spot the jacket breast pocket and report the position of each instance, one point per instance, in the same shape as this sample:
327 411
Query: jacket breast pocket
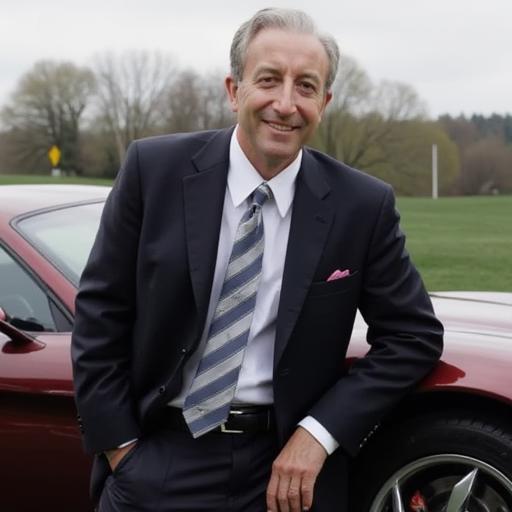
337 286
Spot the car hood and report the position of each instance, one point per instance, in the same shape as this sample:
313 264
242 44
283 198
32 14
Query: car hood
486 314
477 354
483 315
474 322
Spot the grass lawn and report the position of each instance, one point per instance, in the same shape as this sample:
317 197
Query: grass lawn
460 243
13 179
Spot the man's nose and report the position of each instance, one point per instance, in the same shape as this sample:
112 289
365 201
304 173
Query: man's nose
285 101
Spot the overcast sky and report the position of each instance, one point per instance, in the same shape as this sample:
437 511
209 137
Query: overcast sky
457 54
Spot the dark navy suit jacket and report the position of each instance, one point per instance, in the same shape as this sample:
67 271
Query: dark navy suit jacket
144 295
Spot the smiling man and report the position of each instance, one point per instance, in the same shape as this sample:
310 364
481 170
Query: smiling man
280 97
215 311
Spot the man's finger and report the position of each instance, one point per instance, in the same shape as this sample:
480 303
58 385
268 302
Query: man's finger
307 487
294 473
272 493
282 493
294 494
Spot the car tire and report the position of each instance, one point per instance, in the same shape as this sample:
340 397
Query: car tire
444 462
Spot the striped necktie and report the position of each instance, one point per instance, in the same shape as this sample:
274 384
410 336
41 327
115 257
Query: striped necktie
211 393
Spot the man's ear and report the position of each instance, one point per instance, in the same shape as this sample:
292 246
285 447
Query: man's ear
328 98
232 89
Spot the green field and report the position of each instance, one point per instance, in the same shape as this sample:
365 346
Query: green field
13 179
458 243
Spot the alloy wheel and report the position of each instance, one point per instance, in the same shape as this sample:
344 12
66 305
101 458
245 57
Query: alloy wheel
445 483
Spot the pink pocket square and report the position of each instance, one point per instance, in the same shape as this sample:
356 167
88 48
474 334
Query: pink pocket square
339 274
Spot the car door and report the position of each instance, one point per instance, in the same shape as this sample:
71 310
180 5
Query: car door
42 465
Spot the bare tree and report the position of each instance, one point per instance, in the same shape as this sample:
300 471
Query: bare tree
362 117
217 111
196 102
461 130
383 130
46 109
486 167
182 103
130 92
350 97
396 101
486 157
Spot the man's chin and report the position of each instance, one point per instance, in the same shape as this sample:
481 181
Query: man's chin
278 158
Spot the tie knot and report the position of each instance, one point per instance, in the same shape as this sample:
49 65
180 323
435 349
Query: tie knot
260 195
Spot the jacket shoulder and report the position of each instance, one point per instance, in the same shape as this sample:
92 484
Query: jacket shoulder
173 156
187 142
338 174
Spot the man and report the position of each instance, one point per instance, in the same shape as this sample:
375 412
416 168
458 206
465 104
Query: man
215 310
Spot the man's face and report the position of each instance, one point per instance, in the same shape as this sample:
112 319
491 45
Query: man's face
281 97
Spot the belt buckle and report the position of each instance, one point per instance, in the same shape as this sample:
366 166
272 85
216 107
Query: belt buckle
225 430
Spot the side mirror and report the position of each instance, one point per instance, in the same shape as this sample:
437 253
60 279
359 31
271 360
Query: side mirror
15 335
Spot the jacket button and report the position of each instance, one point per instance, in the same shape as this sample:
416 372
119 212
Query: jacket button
161 390
183 350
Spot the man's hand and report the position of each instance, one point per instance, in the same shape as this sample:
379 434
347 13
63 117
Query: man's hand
114 456
294 473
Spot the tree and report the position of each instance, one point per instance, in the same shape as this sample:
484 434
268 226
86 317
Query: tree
46 109
351 97
131 88
486 167
405 160
383 130
461 130
196 102
363 117
485 152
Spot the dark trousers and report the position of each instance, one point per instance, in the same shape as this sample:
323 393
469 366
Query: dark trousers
169 471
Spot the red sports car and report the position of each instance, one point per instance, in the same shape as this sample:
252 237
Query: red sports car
447 448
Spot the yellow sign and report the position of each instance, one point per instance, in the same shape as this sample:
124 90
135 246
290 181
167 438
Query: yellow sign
54 155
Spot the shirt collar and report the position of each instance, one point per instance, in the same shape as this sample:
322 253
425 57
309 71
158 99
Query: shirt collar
243 178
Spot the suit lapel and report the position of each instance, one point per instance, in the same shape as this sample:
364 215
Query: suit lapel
203 203
311 220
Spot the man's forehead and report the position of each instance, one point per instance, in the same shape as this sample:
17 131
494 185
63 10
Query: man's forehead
275 49
279 68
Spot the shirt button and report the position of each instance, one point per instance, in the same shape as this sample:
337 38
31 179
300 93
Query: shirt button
183 350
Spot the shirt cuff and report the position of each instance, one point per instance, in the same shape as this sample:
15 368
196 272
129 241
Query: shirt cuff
320 433
128 443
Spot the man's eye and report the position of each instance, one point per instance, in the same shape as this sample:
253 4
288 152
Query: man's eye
307 87
267 80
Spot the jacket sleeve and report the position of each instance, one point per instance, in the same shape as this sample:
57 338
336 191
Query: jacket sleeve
405 338
104 318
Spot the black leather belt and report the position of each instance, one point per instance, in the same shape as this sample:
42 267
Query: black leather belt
241 420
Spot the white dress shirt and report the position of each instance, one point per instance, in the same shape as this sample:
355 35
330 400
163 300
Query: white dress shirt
255 380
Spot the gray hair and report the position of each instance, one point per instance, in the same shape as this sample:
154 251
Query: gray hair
286 19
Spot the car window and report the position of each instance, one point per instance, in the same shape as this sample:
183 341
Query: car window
21 297
64 236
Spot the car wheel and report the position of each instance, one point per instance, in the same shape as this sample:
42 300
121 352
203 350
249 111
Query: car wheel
438 463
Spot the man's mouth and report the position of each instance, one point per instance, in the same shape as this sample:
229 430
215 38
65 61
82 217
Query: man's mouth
281 127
